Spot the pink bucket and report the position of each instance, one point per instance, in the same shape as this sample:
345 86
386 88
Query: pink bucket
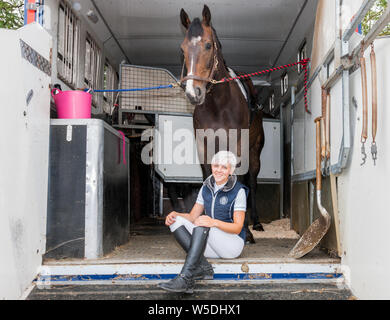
72 104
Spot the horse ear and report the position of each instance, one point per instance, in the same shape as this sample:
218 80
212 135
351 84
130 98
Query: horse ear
185 20
206 15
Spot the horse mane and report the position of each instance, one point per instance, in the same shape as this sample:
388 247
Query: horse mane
216 38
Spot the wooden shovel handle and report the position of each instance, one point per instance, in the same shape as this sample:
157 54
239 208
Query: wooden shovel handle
323 119
327 130
318 153
374 94
365 99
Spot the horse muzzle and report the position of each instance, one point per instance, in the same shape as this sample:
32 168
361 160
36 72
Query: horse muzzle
196 100
195 93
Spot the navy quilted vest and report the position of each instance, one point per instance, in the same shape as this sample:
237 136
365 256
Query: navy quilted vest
220 205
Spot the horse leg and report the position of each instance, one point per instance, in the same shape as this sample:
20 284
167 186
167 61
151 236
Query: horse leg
188 197
249 235
253 187
254 169
206 171
173 196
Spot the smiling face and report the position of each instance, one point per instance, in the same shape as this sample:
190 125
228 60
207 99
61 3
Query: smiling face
223 165
221 172
198 50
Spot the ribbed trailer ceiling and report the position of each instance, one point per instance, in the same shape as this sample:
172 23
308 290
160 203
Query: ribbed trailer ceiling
253 33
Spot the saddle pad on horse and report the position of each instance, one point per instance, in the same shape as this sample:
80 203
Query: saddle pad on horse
240 84
252 105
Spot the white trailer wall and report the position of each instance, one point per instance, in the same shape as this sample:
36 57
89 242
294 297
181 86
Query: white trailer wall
363 191
24 147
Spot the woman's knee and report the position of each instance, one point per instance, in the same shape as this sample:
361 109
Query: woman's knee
226 246
180 221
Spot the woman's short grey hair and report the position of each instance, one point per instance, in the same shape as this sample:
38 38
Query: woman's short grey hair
224 158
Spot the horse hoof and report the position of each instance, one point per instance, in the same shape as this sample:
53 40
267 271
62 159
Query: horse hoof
250 239
258 227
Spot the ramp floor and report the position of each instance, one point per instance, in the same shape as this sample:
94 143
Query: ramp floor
203 291
132 271
152 241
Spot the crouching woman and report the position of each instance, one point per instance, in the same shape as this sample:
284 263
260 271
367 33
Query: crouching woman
219 233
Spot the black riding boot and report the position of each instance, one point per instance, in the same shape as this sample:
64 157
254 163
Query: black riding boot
184 282
204 270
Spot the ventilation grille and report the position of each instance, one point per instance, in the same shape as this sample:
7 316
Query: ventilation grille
161 100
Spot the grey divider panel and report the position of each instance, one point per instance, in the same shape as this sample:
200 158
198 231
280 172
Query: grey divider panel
116 198
66 194
336 122
89 210
270 156
173 132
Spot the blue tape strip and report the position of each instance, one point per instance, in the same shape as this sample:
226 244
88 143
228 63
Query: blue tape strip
234 276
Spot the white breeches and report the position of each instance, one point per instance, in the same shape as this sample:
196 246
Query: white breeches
220 244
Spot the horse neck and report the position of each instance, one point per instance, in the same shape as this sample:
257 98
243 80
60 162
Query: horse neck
219 90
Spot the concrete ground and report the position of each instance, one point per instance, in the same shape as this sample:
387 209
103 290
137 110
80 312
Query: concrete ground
204 291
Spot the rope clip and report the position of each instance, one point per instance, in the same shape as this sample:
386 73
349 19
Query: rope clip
374 152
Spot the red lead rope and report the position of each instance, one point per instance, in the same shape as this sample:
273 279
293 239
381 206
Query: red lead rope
304 63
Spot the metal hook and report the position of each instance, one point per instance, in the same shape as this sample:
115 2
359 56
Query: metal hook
364 155
374 152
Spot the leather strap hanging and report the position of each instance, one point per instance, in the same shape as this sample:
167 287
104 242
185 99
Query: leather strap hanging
374 149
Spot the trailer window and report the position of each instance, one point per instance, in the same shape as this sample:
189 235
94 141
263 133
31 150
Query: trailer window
68 45
272 103
330 67
110 82
284 84
302 54
92 71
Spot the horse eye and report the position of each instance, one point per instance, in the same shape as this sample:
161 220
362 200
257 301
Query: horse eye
208 46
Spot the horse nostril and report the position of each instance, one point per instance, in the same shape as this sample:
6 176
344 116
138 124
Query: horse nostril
198 91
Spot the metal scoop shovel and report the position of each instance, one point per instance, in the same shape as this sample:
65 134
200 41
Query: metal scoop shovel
320 227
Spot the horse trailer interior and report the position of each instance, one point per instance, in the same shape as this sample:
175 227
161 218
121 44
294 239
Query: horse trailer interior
80 204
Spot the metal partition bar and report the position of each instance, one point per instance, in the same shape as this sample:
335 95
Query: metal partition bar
347 139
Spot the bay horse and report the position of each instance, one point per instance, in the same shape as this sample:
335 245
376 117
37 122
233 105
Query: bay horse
219 106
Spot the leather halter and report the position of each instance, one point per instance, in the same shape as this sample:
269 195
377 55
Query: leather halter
210 79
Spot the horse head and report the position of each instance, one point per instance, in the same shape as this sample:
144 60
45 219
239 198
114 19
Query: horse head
200 50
